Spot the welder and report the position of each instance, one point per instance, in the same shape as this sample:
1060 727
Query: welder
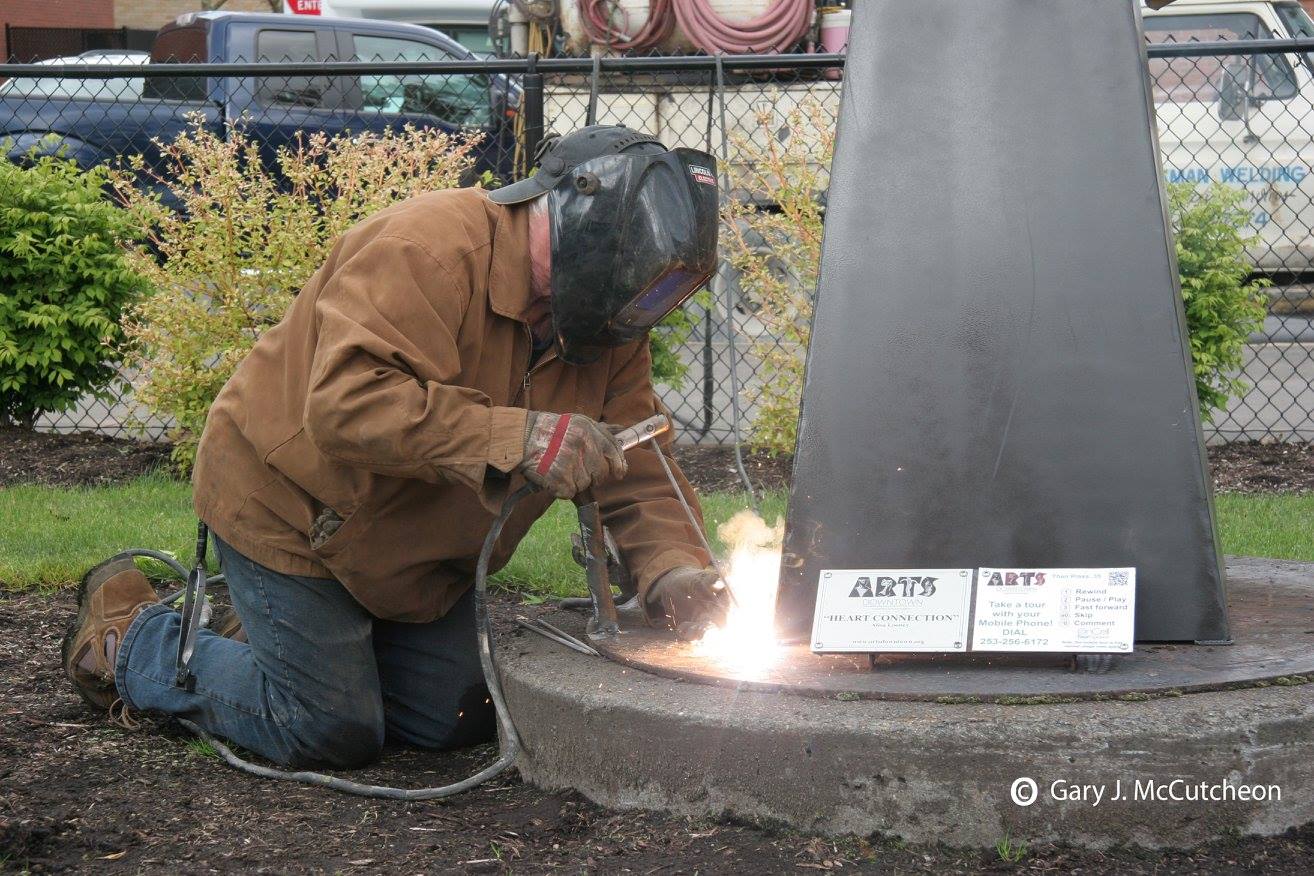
452 347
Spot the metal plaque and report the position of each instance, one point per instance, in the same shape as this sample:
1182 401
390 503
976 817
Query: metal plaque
999 373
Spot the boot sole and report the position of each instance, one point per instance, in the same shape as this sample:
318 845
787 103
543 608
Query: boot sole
91 581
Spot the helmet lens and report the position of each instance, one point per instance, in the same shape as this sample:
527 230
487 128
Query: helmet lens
667 293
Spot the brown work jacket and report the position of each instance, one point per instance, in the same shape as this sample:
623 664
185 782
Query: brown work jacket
394 391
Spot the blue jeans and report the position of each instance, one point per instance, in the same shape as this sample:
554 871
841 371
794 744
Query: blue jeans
322 681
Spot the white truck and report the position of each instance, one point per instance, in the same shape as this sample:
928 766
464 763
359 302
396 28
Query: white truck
465 21
1242 121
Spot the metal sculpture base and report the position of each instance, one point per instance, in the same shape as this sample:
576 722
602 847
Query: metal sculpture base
1272 610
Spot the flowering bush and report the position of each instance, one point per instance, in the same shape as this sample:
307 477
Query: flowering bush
249 233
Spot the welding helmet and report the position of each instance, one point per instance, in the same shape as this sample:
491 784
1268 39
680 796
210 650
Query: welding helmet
634 230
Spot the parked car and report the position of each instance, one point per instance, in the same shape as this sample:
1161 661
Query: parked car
98 120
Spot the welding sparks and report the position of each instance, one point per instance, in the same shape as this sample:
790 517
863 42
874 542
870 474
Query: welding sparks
746 645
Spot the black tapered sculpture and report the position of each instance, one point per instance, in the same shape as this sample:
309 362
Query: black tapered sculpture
999 372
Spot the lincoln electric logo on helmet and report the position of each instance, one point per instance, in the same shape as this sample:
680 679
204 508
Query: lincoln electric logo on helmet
702 174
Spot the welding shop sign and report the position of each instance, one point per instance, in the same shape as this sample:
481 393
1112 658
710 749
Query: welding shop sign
892 610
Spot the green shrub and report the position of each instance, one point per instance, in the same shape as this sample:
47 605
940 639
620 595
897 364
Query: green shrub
226 268
665 340
1222 309
64 285
777 255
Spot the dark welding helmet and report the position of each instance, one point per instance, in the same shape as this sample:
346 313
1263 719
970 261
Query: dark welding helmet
634 229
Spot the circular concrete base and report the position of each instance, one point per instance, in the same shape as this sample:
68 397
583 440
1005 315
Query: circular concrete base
926 771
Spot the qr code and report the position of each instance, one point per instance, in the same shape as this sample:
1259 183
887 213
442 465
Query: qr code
1118 578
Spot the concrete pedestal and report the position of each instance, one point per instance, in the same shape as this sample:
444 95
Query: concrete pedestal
942 769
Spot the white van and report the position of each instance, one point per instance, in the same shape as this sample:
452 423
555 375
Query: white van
1242 121
465 21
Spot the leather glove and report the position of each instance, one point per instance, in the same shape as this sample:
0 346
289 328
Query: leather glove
692 599
565 454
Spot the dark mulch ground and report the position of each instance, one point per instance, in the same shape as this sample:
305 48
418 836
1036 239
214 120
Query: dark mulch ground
28 457
1263 468
1248 467
79 793
714 468
82 460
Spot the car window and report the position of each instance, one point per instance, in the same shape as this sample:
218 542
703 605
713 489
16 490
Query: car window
1298 22
474 37
1187 80
289 46
70 88
457 98
178 45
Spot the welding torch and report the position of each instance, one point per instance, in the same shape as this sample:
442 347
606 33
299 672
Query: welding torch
604 622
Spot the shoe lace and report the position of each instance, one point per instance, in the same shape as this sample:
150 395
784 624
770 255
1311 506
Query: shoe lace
120 714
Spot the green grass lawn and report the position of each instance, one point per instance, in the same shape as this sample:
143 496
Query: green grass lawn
50 536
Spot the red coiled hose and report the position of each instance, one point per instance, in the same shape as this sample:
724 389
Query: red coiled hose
596 17
775 30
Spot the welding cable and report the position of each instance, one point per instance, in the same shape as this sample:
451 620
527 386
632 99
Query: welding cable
181 570
510 740
736 413
782 25
596 17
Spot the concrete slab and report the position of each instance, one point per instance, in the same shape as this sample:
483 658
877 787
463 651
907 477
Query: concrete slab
925 771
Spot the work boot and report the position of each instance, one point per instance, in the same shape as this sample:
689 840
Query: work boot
110 596
226 623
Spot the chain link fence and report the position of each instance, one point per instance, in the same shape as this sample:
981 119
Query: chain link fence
1238 114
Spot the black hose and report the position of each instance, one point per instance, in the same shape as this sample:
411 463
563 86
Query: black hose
510 740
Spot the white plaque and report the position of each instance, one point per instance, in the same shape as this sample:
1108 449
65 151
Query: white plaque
1078 610
892 610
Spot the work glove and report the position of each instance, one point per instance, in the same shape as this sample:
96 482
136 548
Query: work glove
692 599
565 454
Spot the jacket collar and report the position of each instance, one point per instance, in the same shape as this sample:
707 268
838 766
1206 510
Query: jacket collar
508 277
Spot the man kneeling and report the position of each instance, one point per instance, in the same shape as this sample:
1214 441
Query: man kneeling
450 347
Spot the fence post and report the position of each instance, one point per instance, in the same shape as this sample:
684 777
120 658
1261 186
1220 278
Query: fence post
533 110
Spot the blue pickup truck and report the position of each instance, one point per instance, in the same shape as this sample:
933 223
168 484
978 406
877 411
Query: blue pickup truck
97 120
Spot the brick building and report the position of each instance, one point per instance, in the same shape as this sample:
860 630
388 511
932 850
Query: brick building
153 14
53 13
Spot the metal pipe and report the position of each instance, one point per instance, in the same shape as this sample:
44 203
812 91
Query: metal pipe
494 65
532 108
576 65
